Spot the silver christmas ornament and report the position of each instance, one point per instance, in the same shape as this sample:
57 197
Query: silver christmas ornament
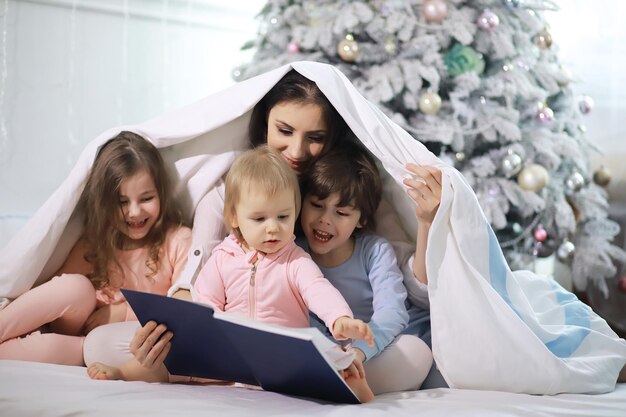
574 182
565 251
511 164
585 104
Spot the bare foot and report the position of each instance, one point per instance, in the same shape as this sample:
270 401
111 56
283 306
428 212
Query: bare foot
101 371
130 371
360 387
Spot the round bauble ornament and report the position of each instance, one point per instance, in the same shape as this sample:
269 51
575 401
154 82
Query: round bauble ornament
533 177
461 59
602 176
511 164
434 11
546 248
565 251
348 49
293 47
236 74
543 39
585 104
511 4
540 234
544 116
488 20
429 102
574 182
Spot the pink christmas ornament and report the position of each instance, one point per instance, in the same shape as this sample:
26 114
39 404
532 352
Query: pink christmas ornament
540 234
293 47
488 20
434 11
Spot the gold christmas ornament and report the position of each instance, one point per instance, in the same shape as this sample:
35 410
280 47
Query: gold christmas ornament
429 103
602 176
348 49
533 177
543 39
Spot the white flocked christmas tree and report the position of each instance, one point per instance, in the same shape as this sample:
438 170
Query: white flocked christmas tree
479 82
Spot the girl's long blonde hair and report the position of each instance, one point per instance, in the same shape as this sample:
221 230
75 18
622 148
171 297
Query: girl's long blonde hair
122 157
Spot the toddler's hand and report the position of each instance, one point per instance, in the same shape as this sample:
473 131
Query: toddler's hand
347 328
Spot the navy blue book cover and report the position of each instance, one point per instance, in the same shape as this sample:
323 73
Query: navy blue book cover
210 347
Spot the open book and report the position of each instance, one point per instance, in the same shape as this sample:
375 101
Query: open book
217 345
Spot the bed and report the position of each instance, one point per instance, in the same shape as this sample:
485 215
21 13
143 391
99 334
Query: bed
37 389
492 336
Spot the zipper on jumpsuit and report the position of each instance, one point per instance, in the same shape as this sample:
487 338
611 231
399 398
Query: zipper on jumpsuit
251 293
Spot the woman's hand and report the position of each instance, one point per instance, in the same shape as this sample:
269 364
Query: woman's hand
425 189
110 313
151 344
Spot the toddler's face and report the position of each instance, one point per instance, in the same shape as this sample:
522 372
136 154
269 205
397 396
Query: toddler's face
328 228
140 205
266 222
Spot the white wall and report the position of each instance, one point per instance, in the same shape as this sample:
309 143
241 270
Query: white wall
72 69
592 40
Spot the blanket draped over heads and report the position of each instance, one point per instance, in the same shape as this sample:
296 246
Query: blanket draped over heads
492 328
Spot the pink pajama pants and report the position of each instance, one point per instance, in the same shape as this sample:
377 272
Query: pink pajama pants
62 305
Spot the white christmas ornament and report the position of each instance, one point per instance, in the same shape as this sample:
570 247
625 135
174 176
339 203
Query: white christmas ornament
533 177
429 103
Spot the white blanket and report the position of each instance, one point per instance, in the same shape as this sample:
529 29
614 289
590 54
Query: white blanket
491 329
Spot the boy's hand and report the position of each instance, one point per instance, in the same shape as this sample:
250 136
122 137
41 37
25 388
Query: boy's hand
347 328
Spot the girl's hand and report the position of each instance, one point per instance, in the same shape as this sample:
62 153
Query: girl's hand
110 313
347 328
151 344
425 189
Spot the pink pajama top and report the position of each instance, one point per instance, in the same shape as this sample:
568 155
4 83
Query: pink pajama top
280 289
172 258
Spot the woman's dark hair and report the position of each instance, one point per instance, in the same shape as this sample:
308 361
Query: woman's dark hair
294 87
349 170
122 157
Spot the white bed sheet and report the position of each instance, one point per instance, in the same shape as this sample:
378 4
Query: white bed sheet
35 389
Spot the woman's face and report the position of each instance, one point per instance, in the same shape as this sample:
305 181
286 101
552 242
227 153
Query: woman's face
297 131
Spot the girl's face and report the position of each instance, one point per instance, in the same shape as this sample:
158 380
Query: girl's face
328 228
265 222
297 131
140 205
